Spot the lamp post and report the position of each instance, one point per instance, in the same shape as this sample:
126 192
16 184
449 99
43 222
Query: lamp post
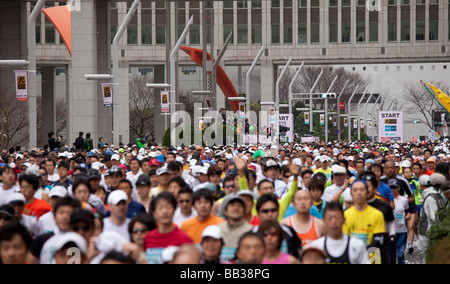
247 79
358 116
348 114
326 109
311 101
339 110
291 87
277 100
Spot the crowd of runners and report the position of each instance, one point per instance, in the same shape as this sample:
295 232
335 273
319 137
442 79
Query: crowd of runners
352 202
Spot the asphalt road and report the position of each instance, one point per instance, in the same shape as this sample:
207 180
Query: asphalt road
417 257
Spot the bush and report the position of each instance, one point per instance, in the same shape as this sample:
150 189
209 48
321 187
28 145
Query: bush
438 247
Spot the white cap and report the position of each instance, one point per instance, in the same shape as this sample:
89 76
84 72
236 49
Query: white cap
152 155
16 197
297 162
63 239
180 160
338 170
28 165
203 170
196 170
19 156
167 255
285 163
59 191
324 159
163 170
248 192
97 165
406 164
274 147
350 158
109 241
33 171
116 196
366 150
115 157
213 231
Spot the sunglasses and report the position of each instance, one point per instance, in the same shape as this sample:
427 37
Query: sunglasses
265 211
184 201
229 186
135 231
5 217
84 229
287 176
266 234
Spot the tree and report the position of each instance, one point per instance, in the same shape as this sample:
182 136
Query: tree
421 101
142 108
13 120
61 118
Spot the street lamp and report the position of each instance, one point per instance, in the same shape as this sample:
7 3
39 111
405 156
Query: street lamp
14 63
98 76
237 99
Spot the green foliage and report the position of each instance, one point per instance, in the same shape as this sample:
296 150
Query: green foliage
364 136
438 247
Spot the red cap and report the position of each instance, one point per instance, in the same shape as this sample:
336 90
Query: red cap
154 162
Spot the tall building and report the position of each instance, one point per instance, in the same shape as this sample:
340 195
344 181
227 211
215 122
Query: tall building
346 33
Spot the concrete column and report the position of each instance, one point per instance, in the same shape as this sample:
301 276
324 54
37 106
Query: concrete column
82 103
267 80
48 123
124 102
160 127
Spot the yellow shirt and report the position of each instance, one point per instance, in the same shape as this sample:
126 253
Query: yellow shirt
327 173
363 225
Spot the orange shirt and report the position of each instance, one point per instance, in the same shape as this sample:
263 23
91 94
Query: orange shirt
37 208
194 228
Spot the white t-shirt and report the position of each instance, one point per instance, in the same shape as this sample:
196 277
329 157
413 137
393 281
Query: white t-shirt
32 225
122 229
53 178
5 195
401 205
133 178
357 251
179 218
47 222
330 192
48 249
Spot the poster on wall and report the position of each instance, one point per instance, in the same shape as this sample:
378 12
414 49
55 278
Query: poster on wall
390 126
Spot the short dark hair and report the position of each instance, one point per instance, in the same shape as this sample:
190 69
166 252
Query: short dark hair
417 164
308 171
174 166
370 176
31 179
126 181
265 180
137 160
8 231
81 181
203 193
67 201
377 166
250 235
172 154
143 218
318 184
179 180
333 206
64 165
163 196
185 190
228 178
266 198
6 169
50 134
119 257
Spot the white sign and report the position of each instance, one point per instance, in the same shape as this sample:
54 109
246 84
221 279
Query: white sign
355 123
345 122
242 110
432 135
322 119
107 94
286 128
165 101
390 126
21 86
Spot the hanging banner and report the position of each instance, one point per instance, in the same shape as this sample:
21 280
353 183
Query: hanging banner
306 114
21 85
208 103
322 119
165 107
390 126
107 95
334 121
444 125
286 128
355 123
362 124
370 125
242 110
433 135
345 122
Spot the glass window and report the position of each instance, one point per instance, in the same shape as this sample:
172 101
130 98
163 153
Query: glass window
420 2
146 34
144 5
242 4
38 33
361 2
346 3
434 30
392 31
256 4
113 32
333 3
161 4
50 33
392 2
406 31
180 31
405 2
303 3
333 32
228 4
449 29
315 3
194 34
373 32
434 1
275 3
275 33
420 30
346 32
315 33
226 31
360 32
287 33
242 34
287 4
132 34
302 33
256 33
160 34
192 4
209 4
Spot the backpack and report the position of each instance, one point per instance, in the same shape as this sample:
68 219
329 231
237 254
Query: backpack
423 225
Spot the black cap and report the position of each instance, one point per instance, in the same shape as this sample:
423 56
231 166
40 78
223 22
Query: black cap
94 174
82 215
115 171
143 180
8 210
